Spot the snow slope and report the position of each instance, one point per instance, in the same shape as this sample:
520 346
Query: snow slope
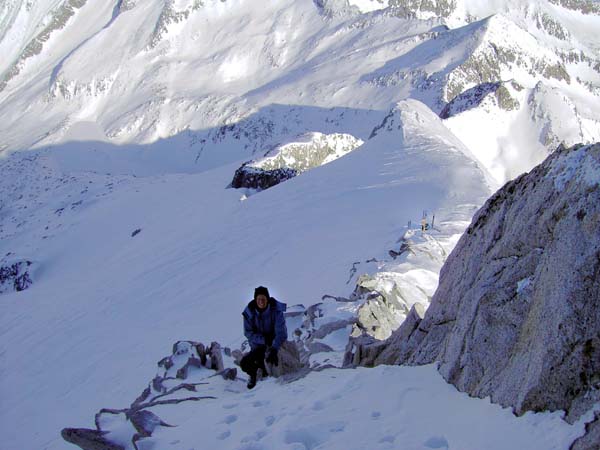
123 123
105 304
387 407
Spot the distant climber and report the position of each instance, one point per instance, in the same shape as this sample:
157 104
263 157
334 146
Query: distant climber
264 326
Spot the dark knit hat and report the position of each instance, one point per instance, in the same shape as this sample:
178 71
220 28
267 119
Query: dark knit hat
261 290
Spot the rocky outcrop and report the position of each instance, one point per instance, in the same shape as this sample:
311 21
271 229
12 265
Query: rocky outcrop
251 177
368 351
177 381
15 276
181 377
384 309
286 161
89 439
516 316
473 97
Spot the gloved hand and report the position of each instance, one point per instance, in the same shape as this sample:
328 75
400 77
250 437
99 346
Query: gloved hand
272 357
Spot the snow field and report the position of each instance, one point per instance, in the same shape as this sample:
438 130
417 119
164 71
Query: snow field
382 408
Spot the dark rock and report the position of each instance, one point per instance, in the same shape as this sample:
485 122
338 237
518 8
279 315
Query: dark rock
145 394
201 350
216 357
145 422
318 347
289 360
468 99
182 373
229 373
89 439
167 363
255 178
157 384
15 276
591 439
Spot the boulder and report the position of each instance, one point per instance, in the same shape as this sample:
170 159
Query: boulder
289 360
370 352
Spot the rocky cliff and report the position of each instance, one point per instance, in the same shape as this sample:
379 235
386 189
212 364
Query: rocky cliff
516 315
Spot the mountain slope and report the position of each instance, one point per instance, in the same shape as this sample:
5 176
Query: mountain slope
105 300
194 71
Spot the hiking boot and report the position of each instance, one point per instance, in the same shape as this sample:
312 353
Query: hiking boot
251 382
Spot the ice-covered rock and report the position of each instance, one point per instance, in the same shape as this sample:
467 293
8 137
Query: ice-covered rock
517 312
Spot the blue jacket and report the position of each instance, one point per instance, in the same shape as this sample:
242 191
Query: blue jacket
267 327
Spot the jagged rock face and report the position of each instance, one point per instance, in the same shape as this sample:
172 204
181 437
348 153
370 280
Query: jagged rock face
427 8
367 351
473 97
286 161
384 309
517 312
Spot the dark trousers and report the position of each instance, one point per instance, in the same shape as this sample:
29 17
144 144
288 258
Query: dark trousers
253 361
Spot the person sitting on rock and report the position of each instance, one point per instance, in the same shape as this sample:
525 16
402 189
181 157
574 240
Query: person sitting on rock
264 326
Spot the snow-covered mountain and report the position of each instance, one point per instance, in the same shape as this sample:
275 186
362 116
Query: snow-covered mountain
124 123
207 76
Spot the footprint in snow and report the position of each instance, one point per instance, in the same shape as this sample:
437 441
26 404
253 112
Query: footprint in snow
375 415
318 406
230 419
269 420
254 437
230 406
437 442
224 435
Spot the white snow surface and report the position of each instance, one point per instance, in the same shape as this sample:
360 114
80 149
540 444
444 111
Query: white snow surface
382 408
118 141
